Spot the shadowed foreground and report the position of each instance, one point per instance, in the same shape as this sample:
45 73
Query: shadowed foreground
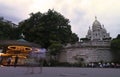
59 72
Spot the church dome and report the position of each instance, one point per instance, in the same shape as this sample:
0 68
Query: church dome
96 24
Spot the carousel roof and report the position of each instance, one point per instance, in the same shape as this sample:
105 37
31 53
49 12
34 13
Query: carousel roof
20 42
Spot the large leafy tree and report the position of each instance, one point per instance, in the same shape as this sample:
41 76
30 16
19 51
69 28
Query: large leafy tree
42 28
115 48
6 30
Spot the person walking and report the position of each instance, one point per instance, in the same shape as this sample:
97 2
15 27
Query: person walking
30 62
41 57
35 57
9 61
16 60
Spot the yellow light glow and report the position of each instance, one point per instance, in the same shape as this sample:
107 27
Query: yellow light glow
1 54
20 48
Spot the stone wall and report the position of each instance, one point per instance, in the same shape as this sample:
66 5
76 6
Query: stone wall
86 52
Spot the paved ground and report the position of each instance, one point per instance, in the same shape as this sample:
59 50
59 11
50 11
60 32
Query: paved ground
60 72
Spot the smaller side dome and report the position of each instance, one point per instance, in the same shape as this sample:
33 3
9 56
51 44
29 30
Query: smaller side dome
89 31
103 29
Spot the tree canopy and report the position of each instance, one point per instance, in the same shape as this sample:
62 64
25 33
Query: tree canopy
42 28
7 31
115 47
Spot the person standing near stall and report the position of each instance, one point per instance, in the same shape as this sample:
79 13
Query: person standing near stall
9 61
1 59
16 60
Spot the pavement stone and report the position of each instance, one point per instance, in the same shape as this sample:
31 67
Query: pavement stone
59 72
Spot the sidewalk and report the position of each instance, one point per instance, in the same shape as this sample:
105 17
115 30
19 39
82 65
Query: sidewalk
59 72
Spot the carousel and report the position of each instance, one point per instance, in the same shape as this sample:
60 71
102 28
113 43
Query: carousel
11 48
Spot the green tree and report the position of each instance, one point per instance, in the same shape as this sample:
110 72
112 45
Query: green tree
74 38
42 28
55 48
54 51
6 30
115 48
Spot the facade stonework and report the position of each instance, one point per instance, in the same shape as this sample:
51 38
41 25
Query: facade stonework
95 49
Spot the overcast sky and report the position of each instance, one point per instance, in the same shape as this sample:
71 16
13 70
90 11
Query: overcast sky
81 13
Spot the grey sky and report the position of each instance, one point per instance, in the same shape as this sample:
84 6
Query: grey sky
81 13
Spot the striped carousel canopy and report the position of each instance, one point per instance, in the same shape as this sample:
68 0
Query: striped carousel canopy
20 42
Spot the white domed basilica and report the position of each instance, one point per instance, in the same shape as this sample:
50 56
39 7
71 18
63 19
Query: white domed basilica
95 47
98 32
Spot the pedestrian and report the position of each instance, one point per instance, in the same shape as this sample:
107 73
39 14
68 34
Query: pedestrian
16 60
41 57
30 62
1 59
9 61
35 58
